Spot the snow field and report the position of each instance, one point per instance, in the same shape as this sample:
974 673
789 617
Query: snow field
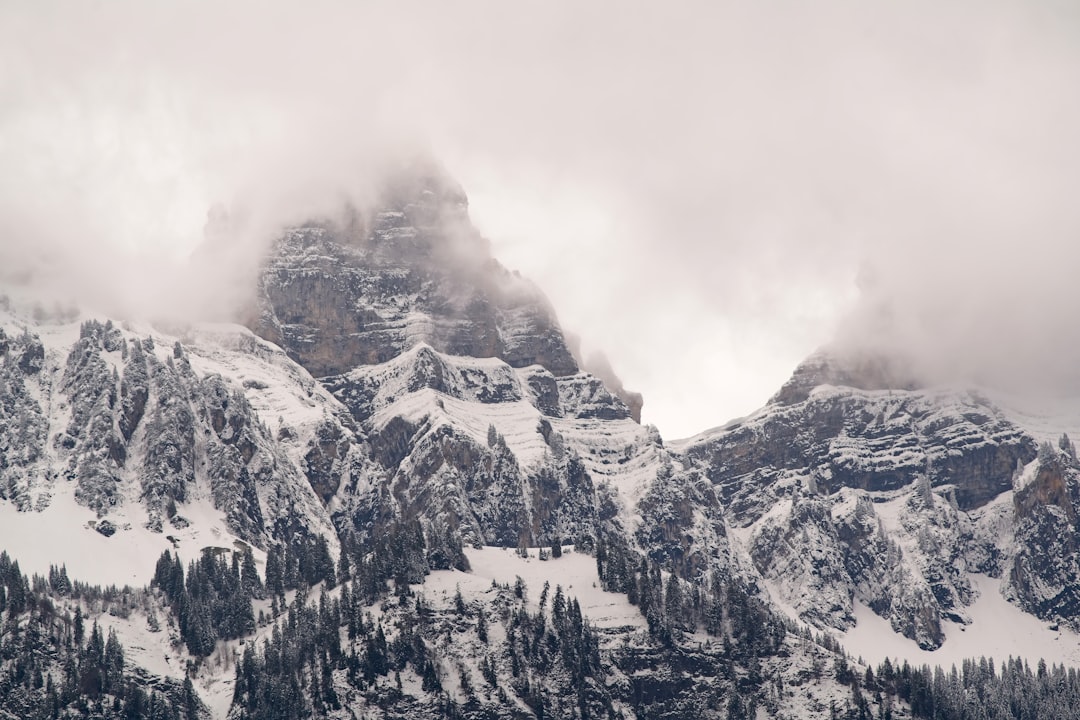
516 421
575 572
63 534
998 629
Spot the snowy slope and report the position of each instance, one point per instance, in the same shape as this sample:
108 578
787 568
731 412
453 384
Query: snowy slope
998 629
575 572
911 521
510 454
63 534
57 529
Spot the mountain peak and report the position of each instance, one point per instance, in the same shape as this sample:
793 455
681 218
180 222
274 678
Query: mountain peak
860 370
365 288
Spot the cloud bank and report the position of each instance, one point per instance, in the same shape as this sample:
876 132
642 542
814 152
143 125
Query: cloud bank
707 191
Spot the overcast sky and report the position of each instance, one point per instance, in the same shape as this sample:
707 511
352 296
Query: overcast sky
707 191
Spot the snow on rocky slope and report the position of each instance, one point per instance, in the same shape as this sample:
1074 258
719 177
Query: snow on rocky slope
397 382
862 505
123 441
510 456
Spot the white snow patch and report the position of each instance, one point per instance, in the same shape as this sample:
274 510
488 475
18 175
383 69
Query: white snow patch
619 452
516 421
64 534
998 630
575 572
148 650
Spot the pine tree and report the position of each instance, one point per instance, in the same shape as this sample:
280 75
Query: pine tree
275 573
1067 445
343 573
78 636
481 625
252 585
556 547
190 700
459 602
322 564
673 606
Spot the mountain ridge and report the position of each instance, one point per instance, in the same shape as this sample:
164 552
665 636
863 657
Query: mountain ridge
410 407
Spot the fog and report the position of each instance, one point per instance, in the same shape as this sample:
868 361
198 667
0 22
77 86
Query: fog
707 191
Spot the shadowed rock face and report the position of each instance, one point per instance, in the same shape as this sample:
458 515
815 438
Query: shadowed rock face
861 487
876 440
336 296
1047 562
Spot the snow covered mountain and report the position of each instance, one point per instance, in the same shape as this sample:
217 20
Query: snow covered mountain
402 428
910 502
127 441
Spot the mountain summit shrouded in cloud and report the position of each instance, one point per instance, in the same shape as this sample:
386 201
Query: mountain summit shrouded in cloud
695 188
290 299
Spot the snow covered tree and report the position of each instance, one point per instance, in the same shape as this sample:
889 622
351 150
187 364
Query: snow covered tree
1067 445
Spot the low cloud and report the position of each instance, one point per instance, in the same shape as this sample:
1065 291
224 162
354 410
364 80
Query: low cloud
696 186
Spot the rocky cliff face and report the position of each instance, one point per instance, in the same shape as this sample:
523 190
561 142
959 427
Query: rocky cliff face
855 369
361 292
847 488
1042 573
875 440
497 454
453 369
144 433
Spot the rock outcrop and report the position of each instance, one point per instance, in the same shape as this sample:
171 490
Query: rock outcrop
496 454
1043 572
145 433
873 440
337 295
850 489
